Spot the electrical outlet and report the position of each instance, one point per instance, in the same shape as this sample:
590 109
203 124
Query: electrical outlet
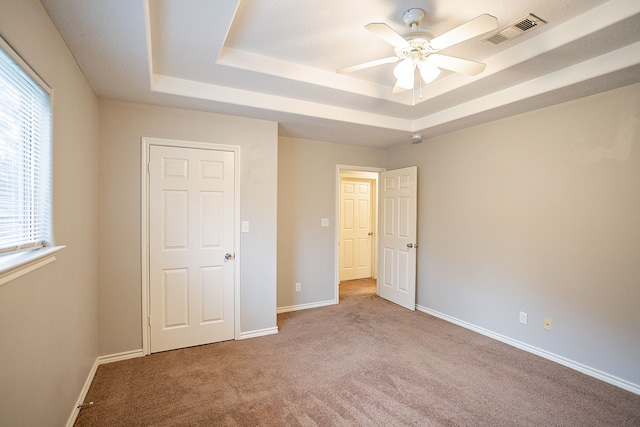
523 317
297 287
547 323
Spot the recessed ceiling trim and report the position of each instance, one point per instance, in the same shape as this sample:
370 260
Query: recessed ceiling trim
291 71
604 64
198 90
608 63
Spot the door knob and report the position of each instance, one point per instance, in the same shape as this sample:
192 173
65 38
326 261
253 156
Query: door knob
370 233
229 256
412 245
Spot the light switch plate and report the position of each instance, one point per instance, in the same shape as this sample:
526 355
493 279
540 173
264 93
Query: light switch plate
324 222
523 317
245 226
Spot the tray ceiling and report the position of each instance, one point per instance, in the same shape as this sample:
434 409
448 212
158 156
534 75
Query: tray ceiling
276 60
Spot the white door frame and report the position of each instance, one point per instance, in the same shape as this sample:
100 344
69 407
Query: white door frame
146 143
340 169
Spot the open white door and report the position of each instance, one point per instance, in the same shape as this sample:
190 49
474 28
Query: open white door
397 231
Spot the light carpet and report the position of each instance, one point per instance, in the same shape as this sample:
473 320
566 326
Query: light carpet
363 362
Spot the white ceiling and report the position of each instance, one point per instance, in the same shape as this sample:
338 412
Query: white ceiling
276 60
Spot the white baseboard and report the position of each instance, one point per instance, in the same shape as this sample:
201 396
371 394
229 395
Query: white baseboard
101 360
83 393
110 358
305 306
595 373
258 333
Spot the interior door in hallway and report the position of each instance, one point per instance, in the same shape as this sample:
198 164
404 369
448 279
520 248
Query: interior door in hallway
398 227
356 231
191 229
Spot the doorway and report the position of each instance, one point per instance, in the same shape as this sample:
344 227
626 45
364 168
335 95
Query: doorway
356 223
394 257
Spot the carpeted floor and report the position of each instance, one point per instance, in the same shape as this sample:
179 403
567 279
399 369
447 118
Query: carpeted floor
364 362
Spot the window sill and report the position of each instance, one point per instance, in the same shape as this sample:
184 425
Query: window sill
17 265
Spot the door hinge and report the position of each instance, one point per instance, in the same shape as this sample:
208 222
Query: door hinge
149 168
149 320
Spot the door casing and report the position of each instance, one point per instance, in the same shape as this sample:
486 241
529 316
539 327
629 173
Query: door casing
144 226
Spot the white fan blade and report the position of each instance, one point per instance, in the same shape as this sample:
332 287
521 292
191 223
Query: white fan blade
397 89
473 28
387 34
389 60
458 65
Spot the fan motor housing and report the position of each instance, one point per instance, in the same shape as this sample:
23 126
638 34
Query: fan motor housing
420 44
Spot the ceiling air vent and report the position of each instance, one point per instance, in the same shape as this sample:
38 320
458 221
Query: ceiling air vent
515 29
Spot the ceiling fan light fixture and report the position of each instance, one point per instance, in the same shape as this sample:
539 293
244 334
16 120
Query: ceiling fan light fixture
404 72
418 49
428 71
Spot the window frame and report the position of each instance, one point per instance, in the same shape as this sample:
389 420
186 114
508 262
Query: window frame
18 263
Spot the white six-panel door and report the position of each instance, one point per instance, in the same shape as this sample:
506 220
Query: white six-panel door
355 229
191 229
397 232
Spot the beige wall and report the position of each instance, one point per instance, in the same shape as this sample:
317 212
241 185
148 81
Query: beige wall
538 213
48 319
307 193
122 125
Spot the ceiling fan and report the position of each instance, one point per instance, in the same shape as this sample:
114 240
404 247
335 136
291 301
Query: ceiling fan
417 49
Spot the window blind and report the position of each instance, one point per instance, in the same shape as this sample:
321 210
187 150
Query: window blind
25 156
